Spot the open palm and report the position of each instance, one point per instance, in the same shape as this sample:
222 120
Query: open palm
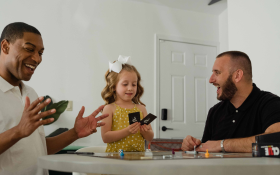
86 126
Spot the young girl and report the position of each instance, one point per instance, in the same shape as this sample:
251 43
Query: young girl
122 96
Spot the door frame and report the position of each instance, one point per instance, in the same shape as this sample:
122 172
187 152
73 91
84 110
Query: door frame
157 38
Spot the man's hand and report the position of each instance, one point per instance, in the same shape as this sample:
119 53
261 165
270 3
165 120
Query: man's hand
86 126
212 146
189 142
134 128
31 116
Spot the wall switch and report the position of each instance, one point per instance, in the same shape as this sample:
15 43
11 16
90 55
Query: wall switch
69 106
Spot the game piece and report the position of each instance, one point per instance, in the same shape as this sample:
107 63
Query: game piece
148 119
206 154
189 152
148 154
120 151
134 117
167 156
194 151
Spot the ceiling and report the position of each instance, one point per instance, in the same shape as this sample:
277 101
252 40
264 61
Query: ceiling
191 5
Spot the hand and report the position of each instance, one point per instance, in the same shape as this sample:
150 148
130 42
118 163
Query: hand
31 118
212 146
86 126
134 128
189 142
145 128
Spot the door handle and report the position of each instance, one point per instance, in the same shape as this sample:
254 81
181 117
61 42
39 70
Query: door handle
164 128
164 114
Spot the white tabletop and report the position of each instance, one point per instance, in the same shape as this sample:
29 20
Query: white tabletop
227 166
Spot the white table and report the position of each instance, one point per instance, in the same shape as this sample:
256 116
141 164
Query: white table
223 166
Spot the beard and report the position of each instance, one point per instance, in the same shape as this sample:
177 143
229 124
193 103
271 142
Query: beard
229 90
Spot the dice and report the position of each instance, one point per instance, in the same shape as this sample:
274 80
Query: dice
121 152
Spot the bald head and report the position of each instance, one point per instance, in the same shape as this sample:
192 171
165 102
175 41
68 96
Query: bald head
239 60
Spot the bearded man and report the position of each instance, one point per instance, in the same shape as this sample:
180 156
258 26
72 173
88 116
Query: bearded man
244 111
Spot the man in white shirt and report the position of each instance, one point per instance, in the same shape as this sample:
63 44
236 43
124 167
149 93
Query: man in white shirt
22 137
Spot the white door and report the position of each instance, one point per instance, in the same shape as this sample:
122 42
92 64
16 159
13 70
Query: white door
185 92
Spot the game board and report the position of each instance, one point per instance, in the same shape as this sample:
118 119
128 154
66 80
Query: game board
167 155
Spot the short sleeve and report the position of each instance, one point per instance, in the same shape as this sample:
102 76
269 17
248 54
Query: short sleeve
270 113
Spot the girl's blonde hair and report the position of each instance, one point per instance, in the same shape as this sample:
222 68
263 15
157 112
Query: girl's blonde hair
112 78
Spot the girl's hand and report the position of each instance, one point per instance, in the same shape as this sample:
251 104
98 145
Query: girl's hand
145 128
134 128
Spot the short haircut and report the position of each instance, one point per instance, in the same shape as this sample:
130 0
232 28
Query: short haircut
241 61
15 31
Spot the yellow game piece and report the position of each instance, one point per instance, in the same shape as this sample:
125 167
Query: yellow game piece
206 154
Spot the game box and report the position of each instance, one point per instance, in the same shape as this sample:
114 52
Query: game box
265 149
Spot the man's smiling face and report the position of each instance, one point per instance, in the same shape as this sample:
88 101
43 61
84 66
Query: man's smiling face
222 78
24 56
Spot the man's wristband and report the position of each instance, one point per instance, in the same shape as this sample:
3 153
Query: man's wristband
222 146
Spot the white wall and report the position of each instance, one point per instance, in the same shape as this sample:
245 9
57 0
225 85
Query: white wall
80 38
223 31
254 28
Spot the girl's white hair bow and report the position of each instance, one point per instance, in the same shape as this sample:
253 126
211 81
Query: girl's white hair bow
117 65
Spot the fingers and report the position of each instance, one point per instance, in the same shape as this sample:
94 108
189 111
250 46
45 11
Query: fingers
184 148
94 114
188 143
97 110
81 113
102 117
45 114
39 107
197 142
44 122
27 103
134 127
191 141
35 103
144 128
100 124
200 147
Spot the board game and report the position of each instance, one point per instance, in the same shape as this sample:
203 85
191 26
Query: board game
168 155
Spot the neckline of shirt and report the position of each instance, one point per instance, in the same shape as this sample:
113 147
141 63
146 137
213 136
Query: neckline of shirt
248 101
6 86
126 108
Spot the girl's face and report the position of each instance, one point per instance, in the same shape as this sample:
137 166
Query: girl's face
126 87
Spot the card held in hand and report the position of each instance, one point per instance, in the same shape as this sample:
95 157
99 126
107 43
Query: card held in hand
148 119
134 117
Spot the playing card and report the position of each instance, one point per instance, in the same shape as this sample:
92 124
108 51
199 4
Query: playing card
134 117
148 119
